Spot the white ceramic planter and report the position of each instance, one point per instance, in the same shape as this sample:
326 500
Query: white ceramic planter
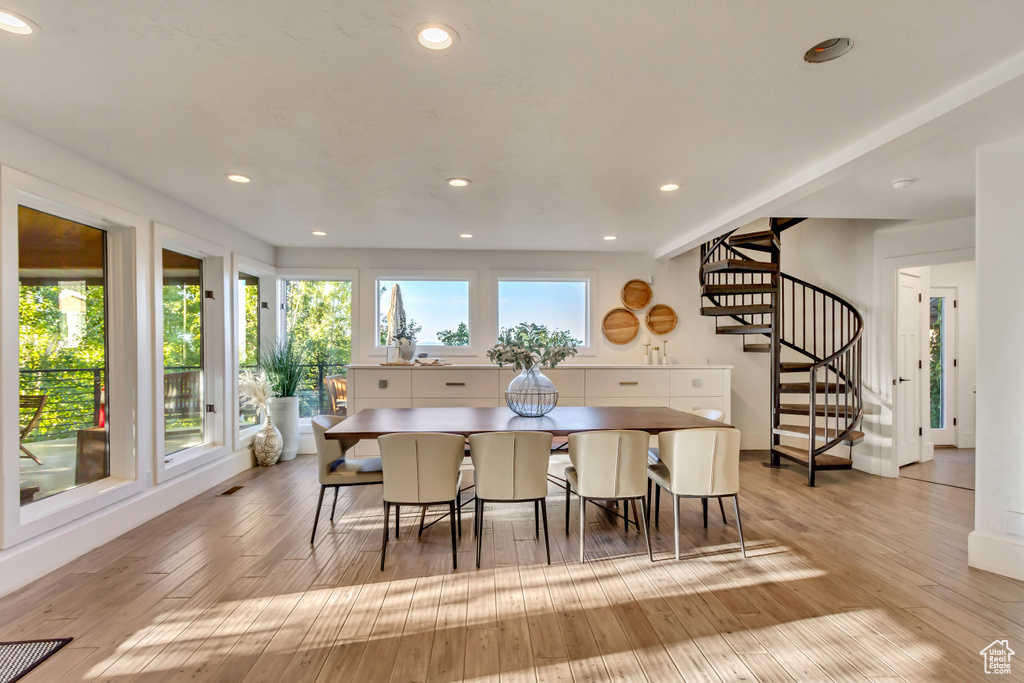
285 413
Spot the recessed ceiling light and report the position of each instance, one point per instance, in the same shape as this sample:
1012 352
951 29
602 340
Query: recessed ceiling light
902 183
320 233
12 23
827 50
238 178
610 238
436 36
457 182
466 236
669 187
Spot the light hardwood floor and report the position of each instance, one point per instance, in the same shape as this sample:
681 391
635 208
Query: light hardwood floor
861 578
950 467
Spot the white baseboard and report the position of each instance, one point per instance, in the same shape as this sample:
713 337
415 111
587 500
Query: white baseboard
1000 554
33 559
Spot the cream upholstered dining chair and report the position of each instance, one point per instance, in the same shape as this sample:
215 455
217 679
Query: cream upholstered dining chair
422 469
511 467
607 465
334 469
700 463
707 414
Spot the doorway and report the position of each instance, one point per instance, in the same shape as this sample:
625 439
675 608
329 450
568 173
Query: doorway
934 368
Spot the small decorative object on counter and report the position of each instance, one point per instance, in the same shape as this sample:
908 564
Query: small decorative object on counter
656 356
255 391
664 351
528 348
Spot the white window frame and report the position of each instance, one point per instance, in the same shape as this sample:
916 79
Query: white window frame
373 312
128 356
267 331
587 276
217 352
350 275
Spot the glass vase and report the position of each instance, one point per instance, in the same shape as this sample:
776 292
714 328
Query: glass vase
531 393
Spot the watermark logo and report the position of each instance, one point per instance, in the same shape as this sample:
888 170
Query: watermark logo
997 657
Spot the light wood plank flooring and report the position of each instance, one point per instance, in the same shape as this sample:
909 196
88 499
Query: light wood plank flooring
859 579
950 467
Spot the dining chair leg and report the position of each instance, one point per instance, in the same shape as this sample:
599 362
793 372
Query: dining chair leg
675 519
536 519
544 515
583 524
334 505
387 532
636 517
625 515
721 507
423 518
458 505
649 483
739 525
645 511
657 504
455 550
316 519
479 524
398 511
567 508
704 504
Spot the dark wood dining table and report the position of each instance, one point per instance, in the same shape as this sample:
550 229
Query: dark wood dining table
373 422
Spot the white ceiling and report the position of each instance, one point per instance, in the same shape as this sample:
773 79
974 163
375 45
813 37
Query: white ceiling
567 116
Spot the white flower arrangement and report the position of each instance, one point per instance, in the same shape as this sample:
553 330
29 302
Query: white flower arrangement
255 390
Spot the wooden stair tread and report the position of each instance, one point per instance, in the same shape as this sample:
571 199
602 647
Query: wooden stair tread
739 266
711 290
743 329
821 462
805 387
751 309
764 240
795 367
757 348
802 431
805 409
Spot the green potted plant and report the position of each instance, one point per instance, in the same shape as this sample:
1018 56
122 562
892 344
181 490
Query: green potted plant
283 365
528 348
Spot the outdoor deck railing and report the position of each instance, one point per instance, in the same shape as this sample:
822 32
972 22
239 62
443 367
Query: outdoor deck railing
75 397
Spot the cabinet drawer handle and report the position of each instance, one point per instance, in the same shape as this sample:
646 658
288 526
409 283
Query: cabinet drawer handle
455 384
628 384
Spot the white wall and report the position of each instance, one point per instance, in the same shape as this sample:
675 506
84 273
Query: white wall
962 276
32 155
997 542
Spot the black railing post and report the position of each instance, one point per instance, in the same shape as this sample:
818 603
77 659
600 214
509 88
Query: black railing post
97 395
320 387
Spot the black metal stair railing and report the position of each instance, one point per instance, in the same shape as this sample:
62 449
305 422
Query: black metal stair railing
819 325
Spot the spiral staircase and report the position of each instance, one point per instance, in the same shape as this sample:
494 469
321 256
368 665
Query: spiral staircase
813 337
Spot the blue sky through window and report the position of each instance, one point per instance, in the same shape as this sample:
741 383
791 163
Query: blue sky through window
435 304
556 305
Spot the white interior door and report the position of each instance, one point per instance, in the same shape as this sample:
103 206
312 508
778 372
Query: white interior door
907 399
941 362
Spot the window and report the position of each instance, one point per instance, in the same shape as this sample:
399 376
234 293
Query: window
183 351
437 311
318 319
63 354
248 336
554 304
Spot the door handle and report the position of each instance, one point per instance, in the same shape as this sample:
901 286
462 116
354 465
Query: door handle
903 379
628 384
455 384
